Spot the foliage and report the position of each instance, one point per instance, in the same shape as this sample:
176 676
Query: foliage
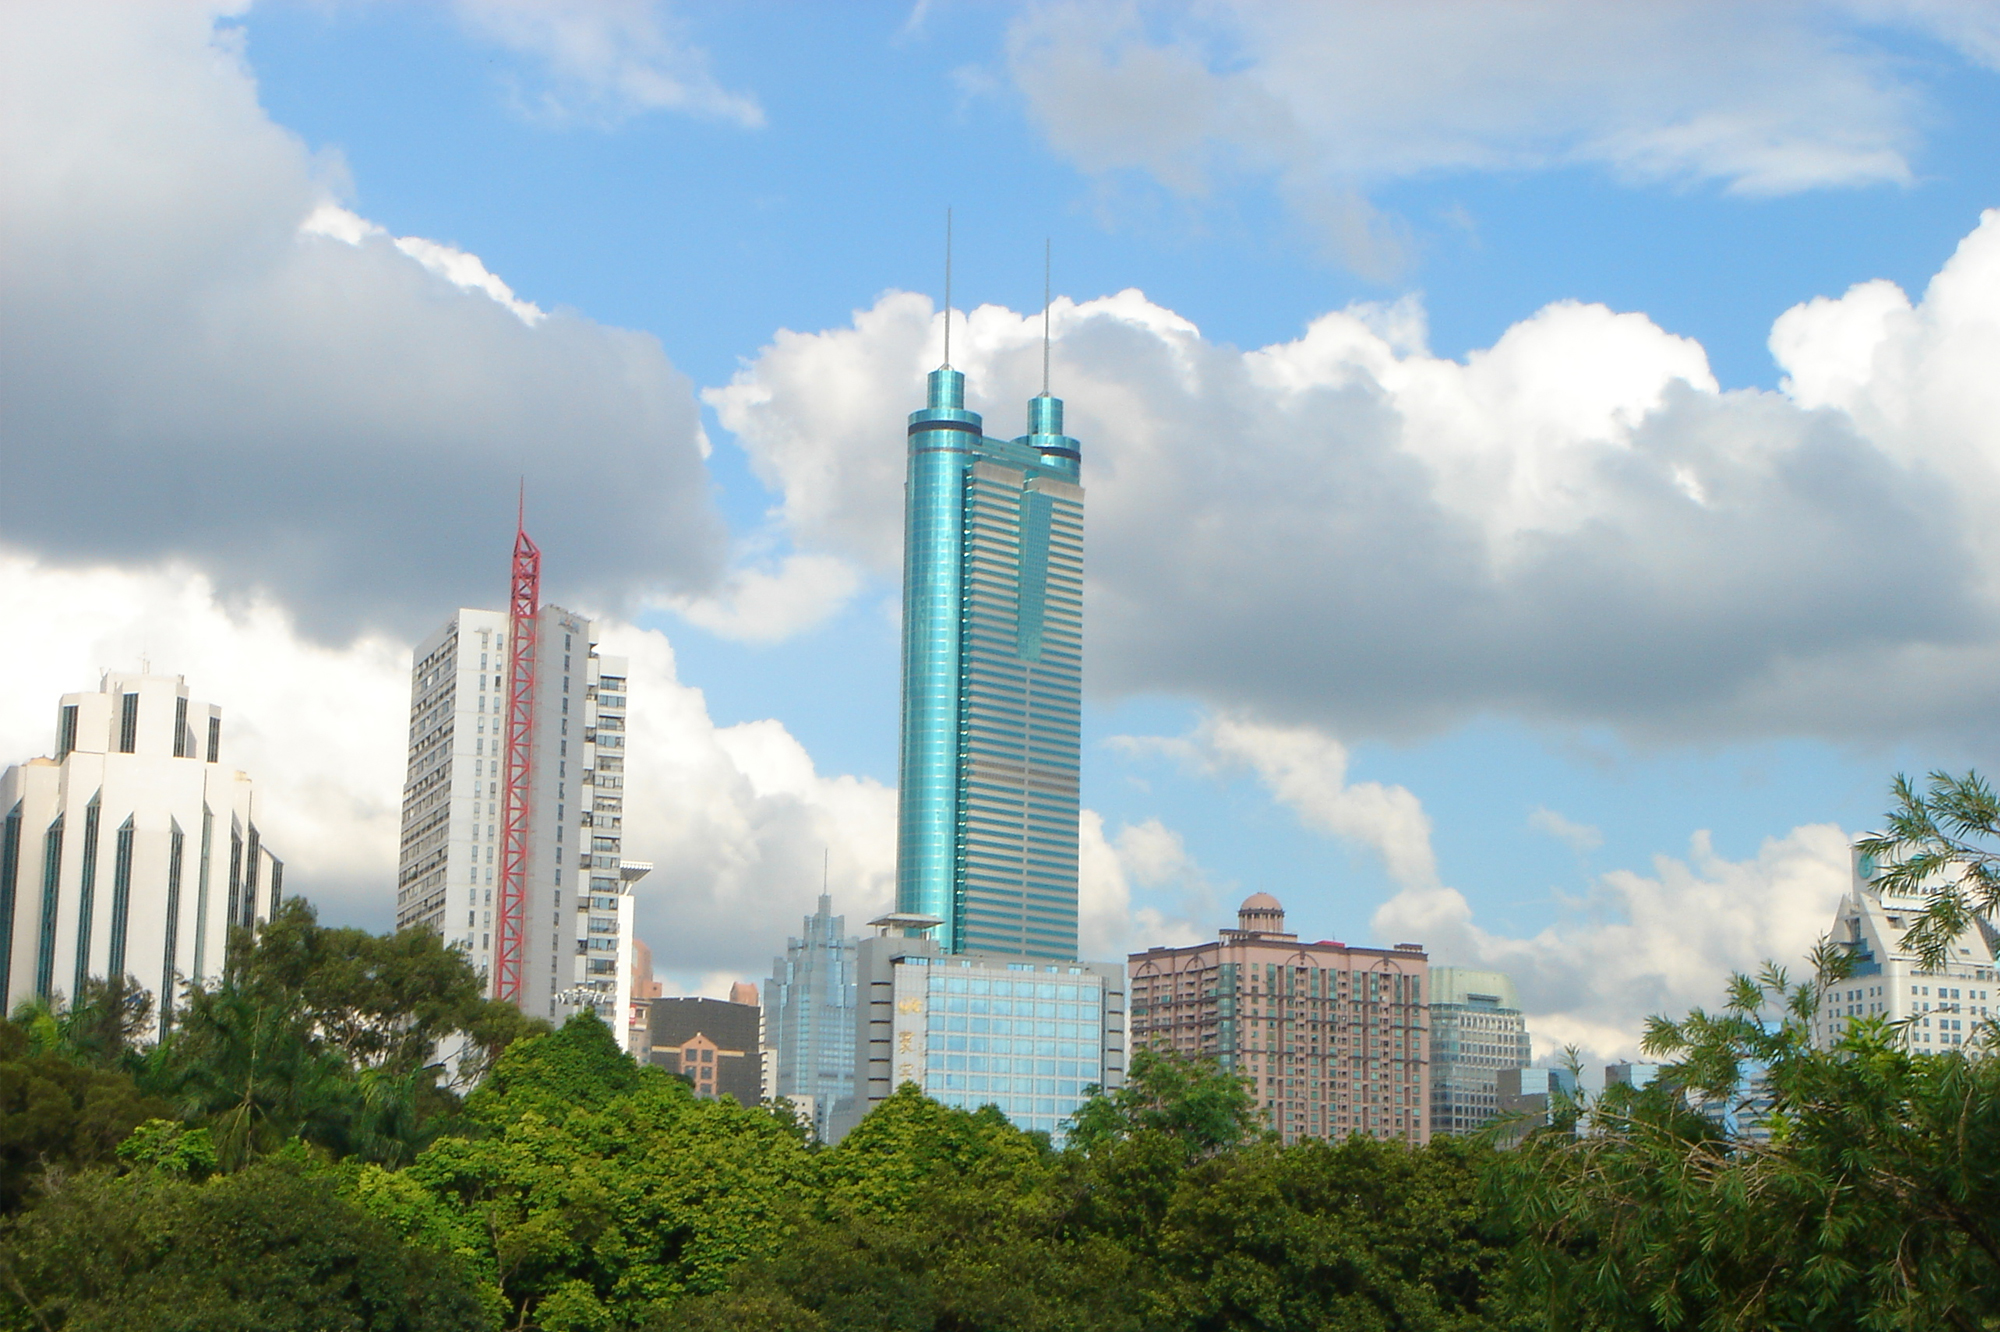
101 1028
1194 1103
1866 1197
325 1036
598 1190
272 1248
56 1114
910 1145
1942 843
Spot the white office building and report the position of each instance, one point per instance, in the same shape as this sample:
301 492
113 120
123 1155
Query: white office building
1476 1031
577 946
132 850
971 1030
1943 1008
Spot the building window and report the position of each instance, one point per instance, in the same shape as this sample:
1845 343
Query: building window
181 736
87 894
45 953
121 901
128 724
66 733
10 873
175 842
214 739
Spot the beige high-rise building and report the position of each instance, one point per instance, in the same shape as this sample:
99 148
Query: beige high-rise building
1333 1037
131 851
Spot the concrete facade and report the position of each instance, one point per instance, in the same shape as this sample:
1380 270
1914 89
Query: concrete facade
578 942
132 850
1333 1038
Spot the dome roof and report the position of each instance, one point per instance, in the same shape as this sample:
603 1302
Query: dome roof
1260 902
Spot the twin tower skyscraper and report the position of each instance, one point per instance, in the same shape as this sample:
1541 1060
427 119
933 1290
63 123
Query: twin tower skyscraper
992 678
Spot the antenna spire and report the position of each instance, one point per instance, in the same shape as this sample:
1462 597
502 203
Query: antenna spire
1046 250
947 288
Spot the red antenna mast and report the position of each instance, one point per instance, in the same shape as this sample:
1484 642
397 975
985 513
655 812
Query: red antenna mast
523 609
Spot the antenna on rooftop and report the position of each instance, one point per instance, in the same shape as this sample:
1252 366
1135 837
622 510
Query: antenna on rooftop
1046 250
947 288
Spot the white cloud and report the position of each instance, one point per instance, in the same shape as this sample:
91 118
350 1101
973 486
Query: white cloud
1328 100
1642 944
1579 837
208 360
1146 855
1635 945
767 605
608 60
736 818
1575 525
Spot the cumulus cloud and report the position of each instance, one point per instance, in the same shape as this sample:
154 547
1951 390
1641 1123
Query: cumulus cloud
607 60
1328 100
1639 944
1149 856
1574 525
769 604
207 360
1632 945
737 819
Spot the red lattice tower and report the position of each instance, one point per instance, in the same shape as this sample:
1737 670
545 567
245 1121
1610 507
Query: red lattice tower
510 942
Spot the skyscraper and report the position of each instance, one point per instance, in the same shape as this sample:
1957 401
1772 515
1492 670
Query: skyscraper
576 921
132 851
1476 1031
992 679
809 1015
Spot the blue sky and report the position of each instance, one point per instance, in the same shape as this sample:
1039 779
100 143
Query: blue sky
711 175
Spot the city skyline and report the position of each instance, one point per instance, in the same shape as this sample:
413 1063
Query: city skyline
1526 521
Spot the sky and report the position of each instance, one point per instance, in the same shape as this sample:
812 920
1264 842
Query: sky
1537 455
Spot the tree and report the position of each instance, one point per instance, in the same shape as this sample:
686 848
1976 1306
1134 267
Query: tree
598 1190
1194 1102
102 1027
1362 1235
272 1247
58 1115
1941 844
1867 1198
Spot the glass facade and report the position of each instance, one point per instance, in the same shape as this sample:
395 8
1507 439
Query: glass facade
1026 1042
809 1014
992 679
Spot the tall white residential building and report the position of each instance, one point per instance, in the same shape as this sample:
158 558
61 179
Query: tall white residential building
132 851
1476 1031
578 944
1944 1007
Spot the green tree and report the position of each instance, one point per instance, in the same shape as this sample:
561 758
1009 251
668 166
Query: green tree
597 1190
1356 1237
58 1115
1943 844
271 1248
1868 1199
102 1027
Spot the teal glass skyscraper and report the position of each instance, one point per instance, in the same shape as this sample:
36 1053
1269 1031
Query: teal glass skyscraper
992 678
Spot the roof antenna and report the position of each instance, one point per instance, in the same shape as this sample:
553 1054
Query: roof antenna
1045 316
947 288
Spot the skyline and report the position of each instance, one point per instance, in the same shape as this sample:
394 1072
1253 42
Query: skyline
1552 615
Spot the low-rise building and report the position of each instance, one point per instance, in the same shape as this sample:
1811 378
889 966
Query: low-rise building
710 1042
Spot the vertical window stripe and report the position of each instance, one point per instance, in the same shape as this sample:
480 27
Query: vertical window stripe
128 724
10 874
175 846
201 894
86 898
45 952
121 901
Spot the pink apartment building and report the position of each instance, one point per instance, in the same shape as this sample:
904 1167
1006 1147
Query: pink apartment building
1332 1037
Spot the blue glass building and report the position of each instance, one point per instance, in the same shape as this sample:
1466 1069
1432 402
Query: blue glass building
992 679
809 1016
